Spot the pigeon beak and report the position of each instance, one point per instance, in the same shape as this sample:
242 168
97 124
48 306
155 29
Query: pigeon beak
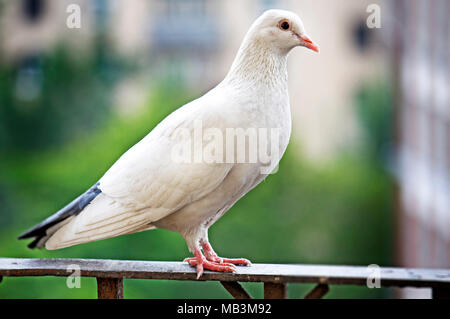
306 42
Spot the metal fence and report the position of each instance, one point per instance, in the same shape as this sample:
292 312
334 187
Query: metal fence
111 273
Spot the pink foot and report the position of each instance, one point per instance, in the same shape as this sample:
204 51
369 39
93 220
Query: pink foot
211 255
202 263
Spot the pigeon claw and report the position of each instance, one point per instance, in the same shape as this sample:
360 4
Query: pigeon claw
238 261
221 260
209 265
190 261
211 255
201 263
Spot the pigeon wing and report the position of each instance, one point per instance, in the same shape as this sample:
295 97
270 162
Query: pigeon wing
150 181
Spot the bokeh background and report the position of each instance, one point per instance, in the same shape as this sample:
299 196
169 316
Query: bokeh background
365 179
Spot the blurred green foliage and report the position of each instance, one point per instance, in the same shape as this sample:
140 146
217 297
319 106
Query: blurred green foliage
376 117
49 99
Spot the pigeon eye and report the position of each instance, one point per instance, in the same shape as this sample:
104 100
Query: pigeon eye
284 25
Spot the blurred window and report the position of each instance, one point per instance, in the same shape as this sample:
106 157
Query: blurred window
362 35
184 24
101 11
29 81
33 9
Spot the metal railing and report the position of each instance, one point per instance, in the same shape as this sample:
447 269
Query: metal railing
111 273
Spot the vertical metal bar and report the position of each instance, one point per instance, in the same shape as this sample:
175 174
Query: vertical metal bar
235 289
110 288
275 290
318 292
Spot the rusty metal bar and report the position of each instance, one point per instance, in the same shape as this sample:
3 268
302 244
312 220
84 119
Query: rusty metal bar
275 290
318 292
110 288
441 293
236 290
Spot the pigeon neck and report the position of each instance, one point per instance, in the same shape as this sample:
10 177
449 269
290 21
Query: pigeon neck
258 64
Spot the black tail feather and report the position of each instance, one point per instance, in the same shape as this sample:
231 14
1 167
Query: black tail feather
34 243
74 208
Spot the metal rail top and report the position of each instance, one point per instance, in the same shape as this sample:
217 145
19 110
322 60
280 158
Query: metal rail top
267 273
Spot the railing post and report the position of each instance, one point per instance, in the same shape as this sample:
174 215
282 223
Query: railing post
110 288
235 289
275 290
318 292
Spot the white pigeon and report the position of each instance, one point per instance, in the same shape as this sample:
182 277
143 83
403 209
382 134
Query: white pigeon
147 188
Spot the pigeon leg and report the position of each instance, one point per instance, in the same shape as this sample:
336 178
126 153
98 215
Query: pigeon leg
202 263
211 255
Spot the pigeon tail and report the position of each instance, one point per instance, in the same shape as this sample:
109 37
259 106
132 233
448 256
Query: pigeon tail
49 226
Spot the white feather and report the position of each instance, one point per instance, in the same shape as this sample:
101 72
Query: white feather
145 188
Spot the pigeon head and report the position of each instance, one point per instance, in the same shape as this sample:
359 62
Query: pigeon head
282 30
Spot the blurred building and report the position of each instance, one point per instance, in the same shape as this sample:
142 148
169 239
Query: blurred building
195 41
34 26
421 55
